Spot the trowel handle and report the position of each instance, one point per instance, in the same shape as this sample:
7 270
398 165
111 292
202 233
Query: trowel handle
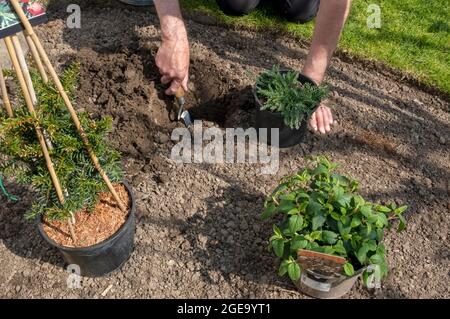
179 94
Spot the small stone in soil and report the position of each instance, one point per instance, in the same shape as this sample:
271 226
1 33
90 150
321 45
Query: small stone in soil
428 182
162 138
171 263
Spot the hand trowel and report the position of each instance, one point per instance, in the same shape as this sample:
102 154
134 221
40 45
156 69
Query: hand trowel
183 115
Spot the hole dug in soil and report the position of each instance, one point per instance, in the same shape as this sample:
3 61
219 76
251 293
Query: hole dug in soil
126 86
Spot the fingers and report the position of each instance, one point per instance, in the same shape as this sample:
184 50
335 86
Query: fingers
330 115
322 120
174 86
326 120
184 83
313 122
165 79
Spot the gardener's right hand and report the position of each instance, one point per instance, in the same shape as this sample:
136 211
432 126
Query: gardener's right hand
173 63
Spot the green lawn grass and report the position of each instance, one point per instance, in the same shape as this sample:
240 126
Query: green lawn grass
414 36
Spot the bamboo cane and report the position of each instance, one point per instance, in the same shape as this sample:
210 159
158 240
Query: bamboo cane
36 57
28 80
75 119
40 136
26 72
5 97
30 106
24 67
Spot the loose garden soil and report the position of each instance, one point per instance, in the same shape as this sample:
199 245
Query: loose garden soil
199 232
92 227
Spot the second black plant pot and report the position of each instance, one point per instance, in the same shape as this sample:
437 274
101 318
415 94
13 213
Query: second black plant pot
266 119
105 257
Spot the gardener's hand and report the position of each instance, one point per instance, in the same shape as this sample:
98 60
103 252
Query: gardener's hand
321 120
173 63
173 55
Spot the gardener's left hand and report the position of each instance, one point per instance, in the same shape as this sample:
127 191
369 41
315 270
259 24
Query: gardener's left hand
321 120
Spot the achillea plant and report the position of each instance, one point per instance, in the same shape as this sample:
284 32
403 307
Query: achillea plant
282 92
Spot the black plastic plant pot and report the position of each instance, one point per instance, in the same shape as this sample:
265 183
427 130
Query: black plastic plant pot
105 257
266 119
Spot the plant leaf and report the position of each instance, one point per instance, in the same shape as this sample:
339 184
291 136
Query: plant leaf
382 220
402 223
299 242
283 268
318 221
400 210
335 216
376 259
269 211
365 278
383 209
348 269
329 237
294 271
313 208
278 247
316 235
372 245
320 169
339 248
277 230
356 221
286 206
362 254
295 223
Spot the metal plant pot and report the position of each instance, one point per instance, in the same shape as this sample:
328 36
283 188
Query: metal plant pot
319 285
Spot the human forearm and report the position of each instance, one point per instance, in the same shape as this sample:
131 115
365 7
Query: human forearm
173 55
172 25
329 24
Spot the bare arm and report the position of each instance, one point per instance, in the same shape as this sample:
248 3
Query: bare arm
330 22
173 56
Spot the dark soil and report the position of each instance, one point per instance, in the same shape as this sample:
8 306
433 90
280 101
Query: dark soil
202 222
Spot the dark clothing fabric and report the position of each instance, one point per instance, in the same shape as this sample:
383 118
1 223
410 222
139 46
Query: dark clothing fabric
295 10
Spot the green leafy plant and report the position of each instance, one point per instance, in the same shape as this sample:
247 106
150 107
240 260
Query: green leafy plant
282 92
24 160
322 212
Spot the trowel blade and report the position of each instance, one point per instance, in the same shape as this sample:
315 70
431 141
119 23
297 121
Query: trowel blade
186 117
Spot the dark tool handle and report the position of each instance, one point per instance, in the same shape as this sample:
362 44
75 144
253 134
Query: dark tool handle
180 94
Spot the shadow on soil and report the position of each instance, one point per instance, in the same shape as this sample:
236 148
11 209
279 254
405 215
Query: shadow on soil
229 240
21 236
